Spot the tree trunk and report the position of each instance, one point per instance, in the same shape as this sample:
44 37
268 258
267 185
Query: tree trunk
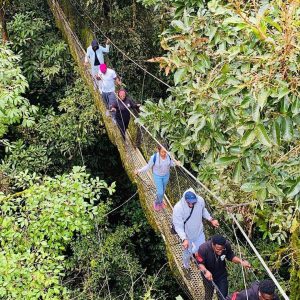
3 25
133 14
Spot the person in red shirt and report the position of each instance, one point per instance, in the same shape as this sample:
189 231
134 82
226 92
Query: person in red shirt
211 258
264 290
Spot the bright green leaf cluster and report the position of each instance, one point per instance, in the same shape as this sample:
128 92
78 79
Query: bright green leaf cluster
14 108
37 225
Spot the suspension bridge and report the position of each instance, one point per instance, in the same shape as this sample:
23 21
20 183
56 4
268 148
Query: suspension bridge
135 156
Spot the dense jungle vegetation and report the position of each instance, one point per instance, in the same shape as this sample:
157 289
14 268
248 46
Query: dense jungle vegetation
61 177
232 116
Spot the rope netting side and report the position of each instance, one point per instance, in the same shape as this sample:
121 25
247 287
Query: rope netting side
181 180
193 288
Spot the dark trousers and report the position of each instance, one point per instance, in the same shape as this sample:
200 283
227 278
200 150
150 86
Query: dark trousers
122 124
221 283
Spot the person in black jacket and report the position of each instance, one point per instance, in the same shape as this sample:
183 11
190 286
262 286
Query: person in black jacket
264 290
120 107
211 258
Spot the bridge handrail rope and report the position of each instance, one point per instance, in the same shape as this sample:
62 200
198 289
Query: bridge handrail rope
231 215
121 51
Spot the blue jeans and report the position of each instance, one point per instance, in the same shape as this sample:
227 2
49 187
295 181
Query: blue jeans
161 184
109 99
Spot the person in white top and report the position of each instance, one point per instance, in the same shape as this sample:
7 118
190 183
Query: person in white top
109 79
187 221
94 56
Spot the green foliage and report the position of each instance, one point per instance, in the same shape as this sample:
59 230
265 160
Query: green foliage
139 42
121 259
57 138
234 109
54 248
14 108
45 61
37 225
106 258
20 158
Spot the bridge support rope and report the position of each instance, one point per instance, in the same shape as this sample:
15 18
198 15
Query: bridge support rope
133 159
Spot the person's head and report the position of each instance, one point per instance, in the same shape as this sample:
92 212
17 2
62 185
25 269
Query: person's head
266 290
95 45
190 198
122 94
218 244
103 68
162 149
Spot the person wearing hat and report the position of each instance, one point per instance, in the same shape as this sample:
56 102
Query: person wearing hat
211 258
263 290
187 221
109 79
94 56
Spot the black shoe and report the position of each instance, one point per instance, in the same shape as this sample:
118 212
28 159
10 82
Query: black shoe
187 273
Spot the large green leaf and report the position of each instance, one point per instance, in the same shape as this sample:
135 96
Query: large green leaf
276 133
248 138
179 74
262 98
250 187
226 160
256 112
237 172
295 189
287 128
262 135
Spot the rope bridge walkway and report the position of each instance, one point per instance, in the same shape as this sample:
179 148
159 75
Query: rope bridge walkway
134 152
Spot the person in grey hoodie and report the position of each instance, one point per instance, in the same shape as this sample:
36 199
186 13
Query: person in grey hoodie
187 221
94 56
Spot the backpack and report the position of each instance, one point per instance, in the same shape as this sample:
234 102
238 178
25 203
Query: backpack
154 158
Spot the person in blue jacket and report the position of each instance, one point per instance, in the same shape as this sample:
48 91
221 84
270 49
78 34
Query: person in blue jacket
160 162
94 56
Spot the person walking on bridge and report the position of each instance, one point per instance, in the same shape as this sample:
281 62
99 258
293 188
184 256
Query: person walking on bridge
211 257
121 107
187 222
109 79
263 290
160 162
94 56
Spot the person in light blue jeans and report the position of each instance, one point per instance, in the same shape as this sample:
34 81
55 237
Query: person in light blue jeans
160 163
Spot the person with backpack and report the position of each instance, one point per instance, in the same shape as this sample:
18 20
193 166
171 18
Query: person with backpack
94 56
187 223
263 290
121 107
160 163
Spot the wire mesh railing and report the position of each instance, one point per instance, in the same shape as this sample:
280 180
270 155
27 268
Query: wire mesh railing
142 142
